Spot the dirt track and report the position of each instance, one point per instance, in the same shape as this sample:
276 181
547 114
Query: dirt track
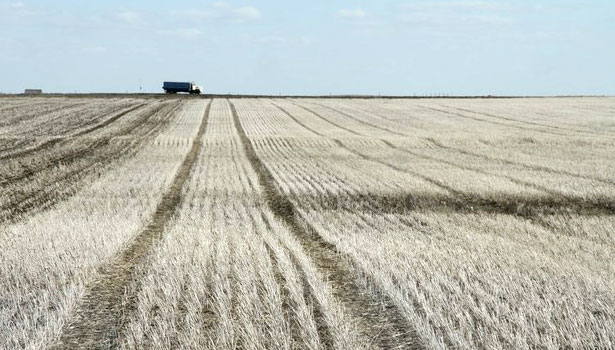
99 318
380 321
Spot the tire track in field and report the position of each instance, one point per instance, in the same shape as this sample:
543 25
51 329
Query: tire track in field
372 207
109 121
521 121
362 109
326 120
57 188
523 165
47 144
101 315
91 113
85 109
382 128
529 206
285 299
53 190
526 206
79 152
403 170
63 159
40 146
492 121
354 197
296 120
29 114
385 329
11 143
298 332
480 171
13 105
188 297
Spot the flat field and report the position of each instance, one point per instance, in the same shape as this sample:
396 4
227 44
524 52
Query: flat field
156 223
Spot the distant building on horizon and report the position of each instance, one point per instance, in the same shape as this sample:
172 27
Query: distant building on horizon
33 92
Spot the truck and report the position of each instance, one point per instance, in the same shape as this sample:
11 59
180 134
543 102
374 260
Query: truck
173 87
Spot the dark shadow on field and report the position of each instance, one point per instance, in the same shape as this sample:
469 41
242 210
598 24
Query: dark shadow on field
528 206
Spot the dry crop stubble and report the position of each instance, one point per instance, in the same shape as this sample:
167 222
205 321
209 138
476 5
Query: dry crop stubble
567 286
329 223
49 256
36 179
100 316
261 292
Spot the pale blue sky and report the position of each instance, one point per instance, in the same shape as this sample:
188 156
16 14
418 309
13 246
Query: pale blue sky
311 47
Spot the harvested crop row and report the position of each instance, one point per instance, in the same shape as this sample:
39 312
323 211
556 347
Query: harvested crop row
427 261
34 110
386 329
237 276
49 258
308 223
62 120
56 173
98 317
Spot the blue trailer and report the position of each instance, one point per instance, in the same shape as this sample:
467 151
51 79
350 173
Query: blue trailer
172 87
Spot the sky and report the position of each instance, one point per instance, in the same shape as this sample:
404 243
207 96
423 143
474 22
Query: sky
437 47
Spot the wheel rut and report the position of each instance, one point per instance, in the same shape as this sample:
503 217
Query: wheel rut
326 120
109 121
541 125
38 114
100 154
529 206
347 115
386 329
403 170
49 143
87 149
64 158
298 332
103 312
297 120
479 171
520 164
494 122
36 148
56 189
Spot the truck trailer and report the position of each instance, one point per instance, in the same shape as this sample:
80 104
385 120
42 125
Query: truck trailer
172 87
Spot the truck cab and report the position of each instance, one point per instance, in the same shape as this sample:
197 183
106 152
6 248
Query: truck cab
195 89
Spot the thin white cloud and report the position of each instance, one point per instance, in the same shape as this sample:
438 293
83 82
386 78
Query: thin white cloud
195 14
129 17
95 49
458 5
354 13
220 11
306 40
281 40
247 13
220 4
185 33
453 20
453 14
271 40
15 11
